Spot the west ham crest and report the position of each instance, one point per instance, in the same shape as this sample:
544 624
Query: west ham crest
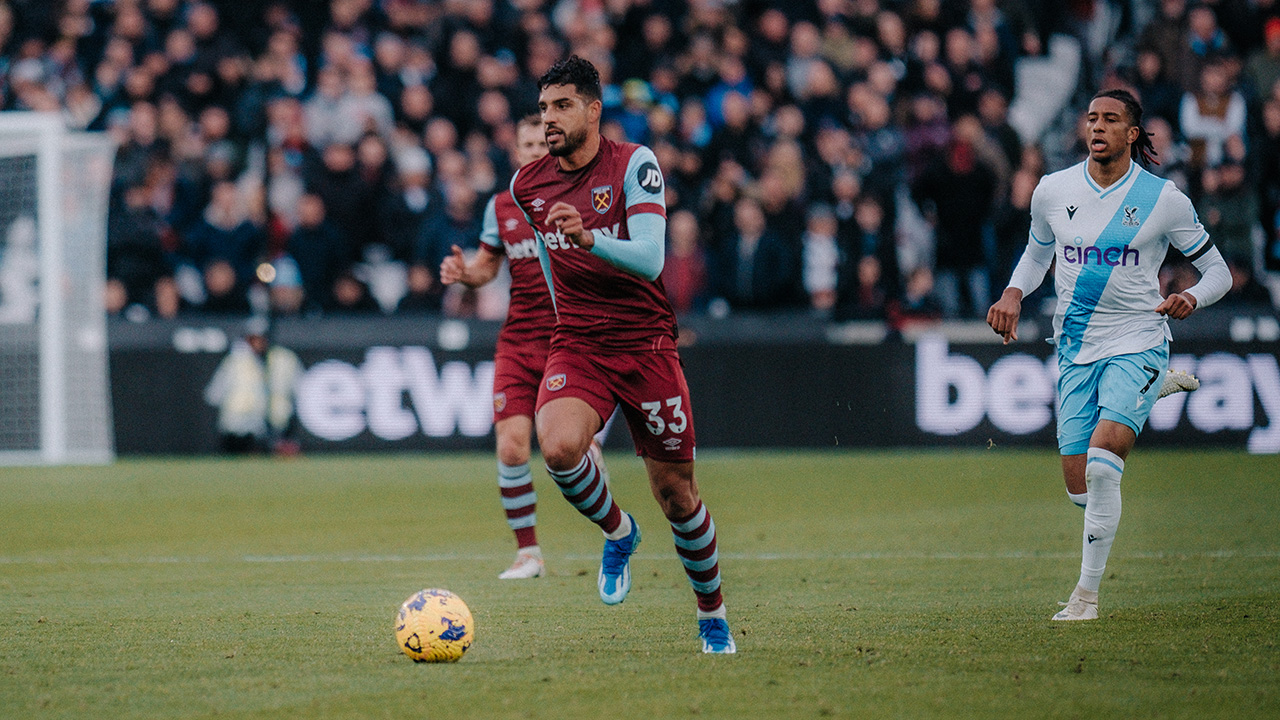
499 402
602 198
556 382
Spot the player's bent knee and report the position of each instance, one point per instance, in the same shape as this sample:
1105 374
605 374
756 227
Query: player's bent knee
675 491
561 452
677 505
513 450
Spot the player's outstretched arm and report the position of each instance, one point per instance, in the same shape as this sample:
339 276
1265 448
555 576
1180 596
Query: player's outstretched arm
1003 315
482 268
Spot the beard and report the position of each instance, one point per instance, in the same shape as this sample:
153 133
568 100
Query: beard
572 141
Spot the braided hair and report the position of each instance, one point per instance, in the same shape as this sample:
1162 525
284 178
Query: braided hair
1143 150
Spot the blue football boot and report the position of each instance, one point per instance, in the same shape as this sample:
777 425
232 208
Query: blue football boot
716 637
615 566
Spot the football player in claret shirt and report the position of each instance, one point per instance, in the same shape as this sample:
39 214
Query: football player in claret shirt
598 211
522 349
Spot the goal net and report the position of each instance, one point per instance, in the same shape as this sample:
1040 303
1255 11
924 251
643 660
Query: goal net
54 387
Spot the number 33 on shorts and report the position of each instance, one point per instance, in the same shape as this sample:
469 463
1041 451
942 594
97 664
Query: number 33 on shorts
675 422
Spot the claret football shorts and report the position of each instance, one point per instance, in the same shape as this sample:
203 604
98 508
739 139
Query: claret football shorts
650 387
517 374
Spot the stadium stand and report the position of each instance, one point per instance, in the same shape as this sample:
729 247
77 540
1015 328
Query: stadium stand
863 159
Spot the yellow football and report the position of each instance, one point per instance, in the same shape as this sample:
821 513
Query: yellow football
434 625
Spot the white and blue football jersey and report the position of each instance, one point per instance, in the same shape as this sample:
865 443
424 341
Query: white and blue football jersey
1109 244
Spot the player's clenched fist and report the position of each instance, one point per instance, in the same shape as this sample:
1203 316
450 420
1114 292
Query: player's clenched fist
568 220
1177 306
1003 316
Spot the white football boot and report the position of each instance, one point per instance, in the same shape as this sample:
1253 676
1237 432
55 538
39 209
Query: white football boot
1083 605
528 564
1176 381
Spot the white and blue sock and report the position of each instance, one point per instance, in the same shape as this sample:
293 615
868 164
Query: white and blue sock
1080 499
1102 474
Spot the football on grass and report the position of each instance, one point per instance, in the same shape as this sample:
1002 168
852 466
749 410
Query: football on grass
434 625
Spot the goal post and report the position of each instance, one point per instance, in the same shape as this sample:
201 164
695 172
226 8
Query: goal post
54 386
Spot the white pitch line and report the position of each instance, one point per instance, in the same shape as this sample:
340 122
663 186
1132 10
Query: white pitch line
575 557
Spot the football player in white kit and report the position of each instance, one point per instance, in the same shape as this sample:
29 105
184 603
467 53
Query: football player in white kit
1108 223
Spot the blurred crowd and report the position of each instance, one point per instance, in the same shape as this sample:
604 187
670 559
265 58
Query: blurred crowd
852 157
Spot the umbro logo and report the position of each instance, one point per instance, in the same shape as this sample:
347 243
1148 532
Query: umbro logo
1092 538
537 204
1071 212
672 443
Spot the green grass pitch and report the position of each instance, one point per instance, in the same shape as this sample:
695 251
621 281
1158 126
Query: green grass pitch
877 584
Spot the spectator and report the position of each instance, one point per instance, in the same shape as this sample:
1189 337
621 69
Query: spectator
351 296
1166 36
424 293
138 271
1211 115
415 109
1206 43
684 275
362 105
457 225
1013 225
410 205
1230 211
755 269
926 133
993 111
1262 70
883 145
820 256
1267 156
225 293
1173 154
1160 95
958 193
285 291
735 137
225 233
346 196
778 191
868 263
319 252
919 305
326 119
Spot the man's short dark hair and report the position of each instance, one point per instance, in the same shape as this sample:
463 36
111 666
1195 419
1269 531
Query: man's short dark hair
532 120
574 71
